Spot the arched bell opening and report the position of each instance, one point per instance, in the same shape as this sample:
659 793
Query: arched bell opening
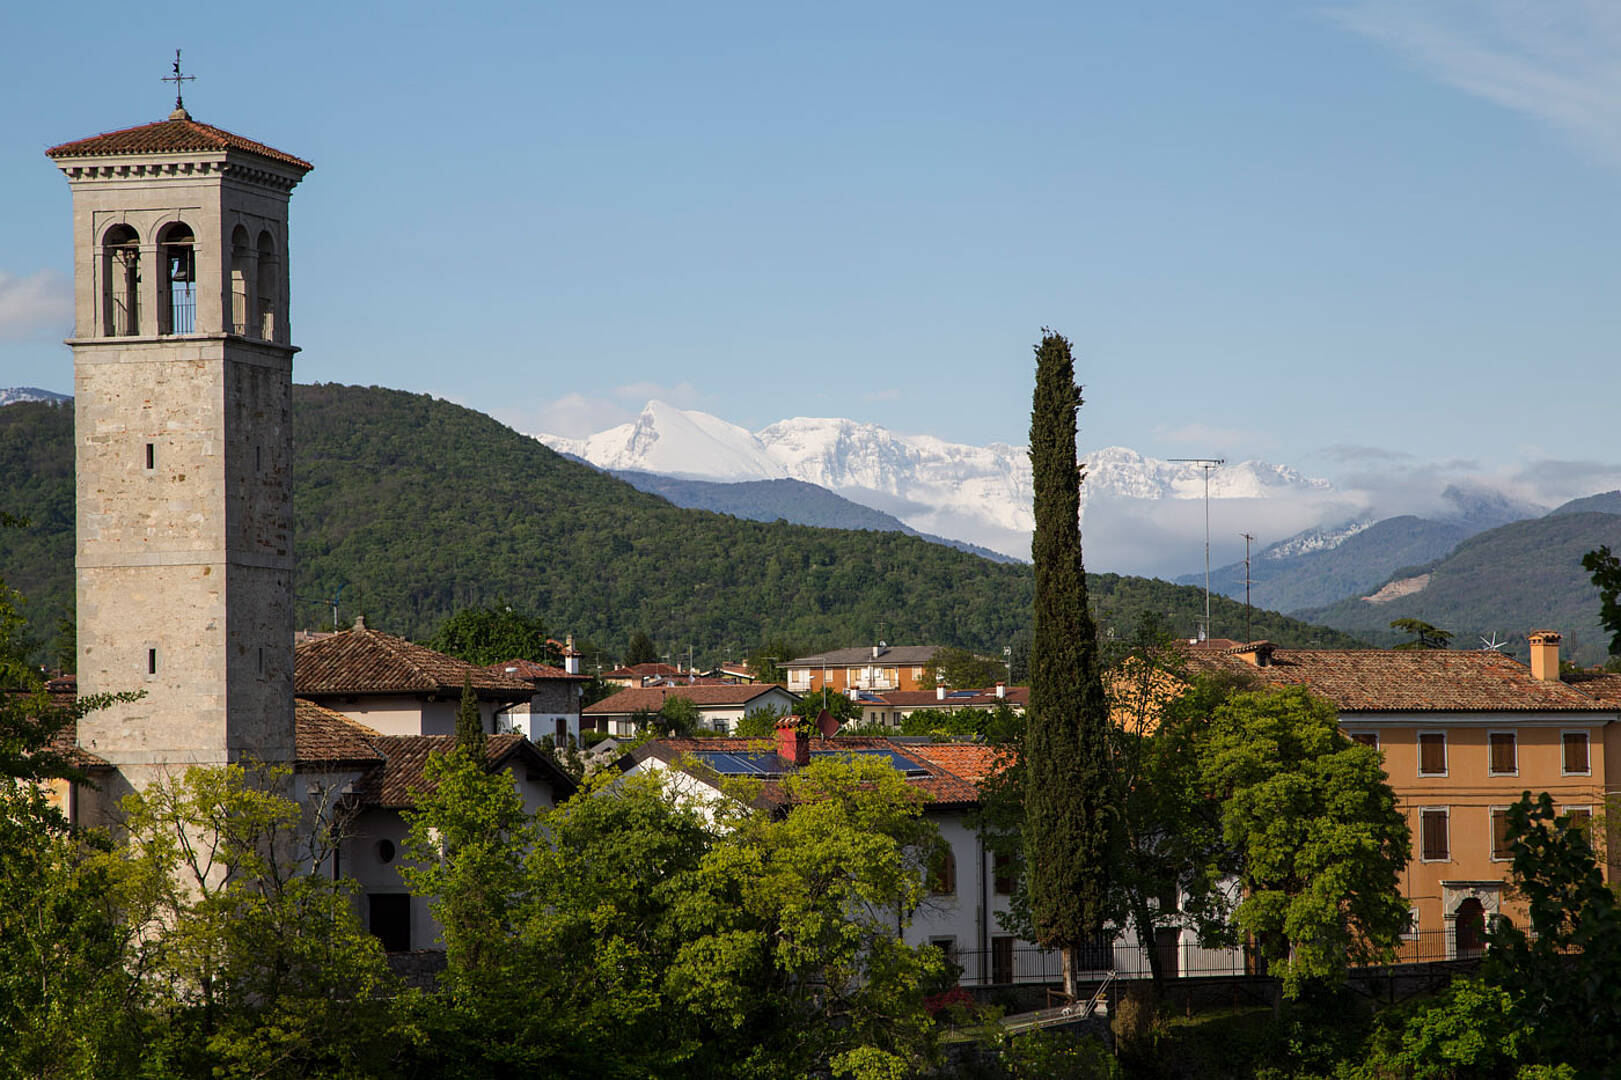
121 282
269 287
242 259
177 292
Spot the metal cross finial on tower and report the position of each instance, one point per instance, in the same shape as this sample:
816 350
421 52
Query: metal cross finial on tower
178 79
1205 463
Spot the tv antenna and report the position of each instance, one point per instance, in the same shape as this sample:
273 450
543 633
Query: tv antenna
1492 644
332 600
1249 635
1207 464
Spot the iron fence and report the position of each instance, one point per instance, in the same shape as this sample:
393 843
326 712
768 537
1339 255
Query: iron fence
1004 965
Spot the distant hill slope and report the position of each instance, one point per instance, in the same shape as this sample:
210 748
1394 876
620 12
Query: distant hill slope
14 395
419 507
1509 581
793 501
1356 564
1607 502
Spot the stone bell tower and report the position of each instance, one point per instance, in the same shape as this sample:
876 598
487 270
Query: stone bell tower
182 373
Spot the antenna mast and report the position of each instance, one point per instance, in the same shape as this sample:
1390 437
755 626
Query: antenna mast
1207 464
1249 635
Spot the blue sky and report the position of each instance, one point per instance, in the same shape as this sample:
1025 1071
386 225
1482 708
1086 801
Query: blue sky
1350 237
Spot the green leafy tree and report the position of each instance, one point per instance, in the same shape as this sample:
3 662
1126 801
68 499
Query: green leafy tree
1319 841
1606 571
1069 829
640 650
469 724
961 669
797 949
1172 856
767 660
467 843
964 723
760 722
679 716
1424 636
69 1005
1561 976
842 707
251 954
489 635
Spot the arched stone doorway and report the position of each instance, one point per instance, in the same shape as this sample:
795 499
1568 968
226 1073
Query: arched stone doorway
1469 930
1468 908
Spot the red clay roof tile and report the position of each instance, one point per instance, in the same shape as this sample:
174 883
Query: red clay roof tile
367 661
171 136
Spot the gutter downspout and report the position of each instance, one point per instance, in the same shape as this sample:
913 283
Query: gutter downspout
982 916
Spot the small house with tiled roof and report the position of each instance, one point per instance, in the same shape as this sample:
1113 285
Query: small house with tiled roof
721 705
366 779
634 675
553 709
399 687
1463 734
889 708
881 667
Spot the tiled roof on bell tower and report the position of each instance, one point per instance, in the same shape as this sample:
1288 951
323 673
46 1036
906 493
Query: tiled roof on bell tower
178 134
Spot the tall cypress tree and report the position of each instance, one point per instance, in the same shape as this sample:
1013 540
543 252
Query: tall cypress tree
469 724
1067 827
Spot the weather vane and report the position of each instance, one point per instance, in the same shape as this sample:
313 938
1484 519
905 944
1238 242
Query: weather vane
178 79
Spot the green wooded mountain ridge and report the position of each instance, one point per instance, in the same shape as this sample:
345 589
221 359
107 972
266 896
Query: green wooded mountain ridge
419 507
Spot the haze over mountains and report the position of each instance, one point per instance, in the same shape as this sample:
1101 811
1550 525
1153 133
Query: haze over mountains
1142 515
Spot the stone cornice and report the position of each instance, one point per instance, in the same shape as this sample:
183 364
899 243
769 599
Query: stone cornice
223 164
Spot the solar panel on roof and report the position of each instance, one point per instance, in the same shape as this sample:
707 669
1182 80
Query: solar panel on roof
899 762
729 763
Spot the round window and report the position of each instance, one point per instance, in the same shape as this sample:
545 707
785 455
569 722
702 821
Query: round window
385 851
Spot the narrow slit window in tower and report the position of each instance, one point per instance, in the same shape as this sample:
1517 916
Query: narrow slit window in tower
151 661
151 456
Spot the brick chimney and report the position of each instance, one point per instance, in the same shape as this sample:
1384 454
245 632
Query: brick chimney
1255 653
793 745
1545 655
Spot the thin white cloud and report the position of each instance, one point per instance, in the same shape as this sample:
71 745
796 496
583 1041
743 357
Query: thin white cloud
1556 60
31 304
683 395
1211 436
888 394
573 416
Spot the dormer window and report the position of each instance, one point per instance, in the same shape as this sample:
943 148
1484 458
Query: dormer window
121 282
177 293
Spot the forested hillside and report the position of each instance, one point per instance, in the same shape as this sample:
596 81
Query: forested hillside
1506 581
419 507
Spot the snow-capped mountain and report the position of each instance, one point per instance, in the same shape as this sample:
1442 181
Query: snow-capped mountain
11 395
978 494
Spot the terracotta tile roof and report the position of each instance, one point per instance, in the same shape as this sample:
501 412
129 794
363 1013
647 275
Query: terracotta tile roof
367 661
399 783
393 764
171 136
927 699
652 697
945 789
1602 686
636 671
62 693
861 657
529 669
1407 680
971 761
324 737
